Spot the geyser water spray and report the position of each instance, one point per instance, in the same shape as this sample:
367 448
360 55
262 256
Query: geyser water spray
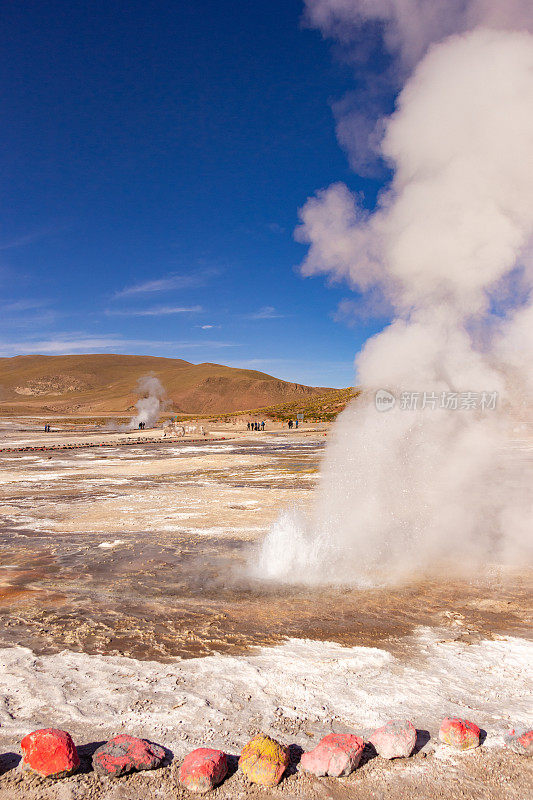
424 472
148 405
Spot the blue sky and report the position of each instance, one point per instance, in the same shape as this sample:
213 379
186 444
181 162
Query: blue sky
153 160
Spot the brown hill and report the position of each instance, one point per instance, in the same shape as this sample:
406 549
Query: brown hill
101 384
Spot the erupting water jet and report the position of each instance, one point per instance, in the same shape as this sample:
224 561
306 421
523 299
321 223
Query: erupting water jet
433 478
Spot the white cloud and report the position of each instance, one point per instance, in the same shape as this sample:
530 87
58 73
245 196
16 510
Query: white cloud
66 343
28 238
266 312
74 343
25 304
167 283
156 311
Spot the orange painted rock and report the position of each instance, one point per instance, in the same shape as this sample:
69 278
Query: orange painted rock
396 739
50 753
520 742
337 754
124 753
203 769
459 733
263 760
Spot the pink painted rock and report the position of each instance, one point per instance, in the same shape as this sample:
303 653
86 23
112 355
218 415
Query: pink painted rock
459 733
396 739
203 769
264 760
520 742
50 753
124 753
338 754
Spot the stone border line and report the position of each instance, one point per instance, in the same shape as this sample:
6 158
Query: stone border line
128 443
51 753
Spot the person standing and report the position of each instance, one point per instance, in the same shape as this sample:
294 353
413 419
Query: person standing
263 425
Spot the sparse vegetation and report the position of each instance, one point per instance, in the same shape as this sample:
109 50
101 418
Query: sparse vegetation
321 408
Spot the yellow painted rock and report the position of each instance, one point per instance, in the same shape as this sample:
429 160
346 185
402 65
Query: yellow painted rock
263 760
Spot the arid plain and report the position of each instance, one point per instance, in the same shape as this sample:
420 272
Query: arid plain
128 604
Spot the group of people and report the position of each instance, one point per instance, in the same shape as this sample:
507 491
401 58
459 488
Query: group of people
256 426
260 426
47 428
142 426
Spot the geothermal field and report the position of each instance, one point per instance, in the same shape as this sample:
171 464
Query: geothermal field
132 601
320 575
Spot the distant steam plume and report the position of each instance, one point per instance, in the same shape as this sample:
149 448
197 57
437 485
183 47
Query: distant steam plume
152 394
436 478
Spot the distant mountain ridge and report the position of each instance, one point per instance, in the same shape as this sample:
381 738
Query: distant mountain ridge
106 383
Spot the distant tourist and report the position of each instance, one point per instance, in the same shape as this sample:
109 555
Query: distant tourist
263 425
296 424
248 427
290 424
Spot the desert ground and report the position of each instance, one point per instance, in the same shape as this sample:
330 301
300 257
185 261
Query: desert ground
129 603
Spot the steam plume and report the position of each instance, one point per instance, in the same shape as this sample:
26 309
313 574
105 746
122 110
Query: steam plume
449 249
149 403
410 26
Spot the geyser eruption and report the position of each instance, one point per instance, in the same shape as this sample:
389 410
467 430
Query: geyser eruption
423 472
152 394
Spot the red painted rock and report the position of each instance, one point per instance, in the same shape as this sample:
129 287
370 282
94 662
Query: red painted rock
203 769
338 754
263 760
459 733
50 753
124 753
396 739
520 742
